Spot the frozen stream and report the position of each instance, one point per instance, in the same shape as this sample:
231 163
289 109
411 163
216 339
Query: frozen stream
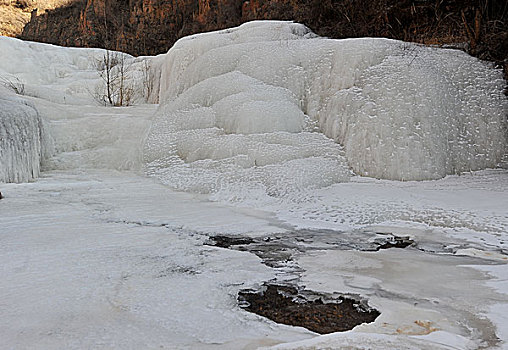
114 260
105 260
106 241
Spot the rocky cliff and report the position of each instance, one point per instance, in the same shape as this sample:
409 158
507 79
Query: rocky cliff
143 27
14 14
136 26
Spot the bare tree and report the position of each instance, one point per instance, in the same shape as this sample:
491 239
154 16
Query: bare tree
125 90
114 88
147 72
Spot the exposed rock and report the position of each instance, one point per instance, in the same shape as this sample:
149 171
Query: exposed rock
15 14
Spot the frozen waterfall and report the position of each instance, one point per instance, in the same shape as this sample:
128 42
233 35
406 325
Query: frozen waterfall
267 108
24 142
250 106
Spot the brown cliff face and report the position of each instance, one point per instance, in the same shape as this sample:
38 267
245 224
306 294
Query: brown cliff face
143 27
15 14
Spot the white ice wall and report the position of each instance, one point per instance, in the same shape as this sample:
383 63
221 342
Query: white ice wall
400 111
24 142
421 113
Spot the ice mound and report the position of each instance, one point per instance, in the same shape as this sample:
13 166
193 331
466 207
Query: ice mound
240 167
65 75
24 142
246 109
58 74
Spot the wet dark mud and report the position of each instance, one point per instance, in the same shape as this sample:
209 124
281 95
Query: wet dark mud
314 311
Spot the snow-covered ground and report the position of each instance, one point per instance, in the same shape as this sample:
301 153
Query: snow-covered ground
96 254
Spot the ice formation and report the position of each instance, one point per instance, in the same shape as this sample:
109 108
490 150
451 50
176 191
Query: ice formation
58 87
64 75
24 142
248 107
269 107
